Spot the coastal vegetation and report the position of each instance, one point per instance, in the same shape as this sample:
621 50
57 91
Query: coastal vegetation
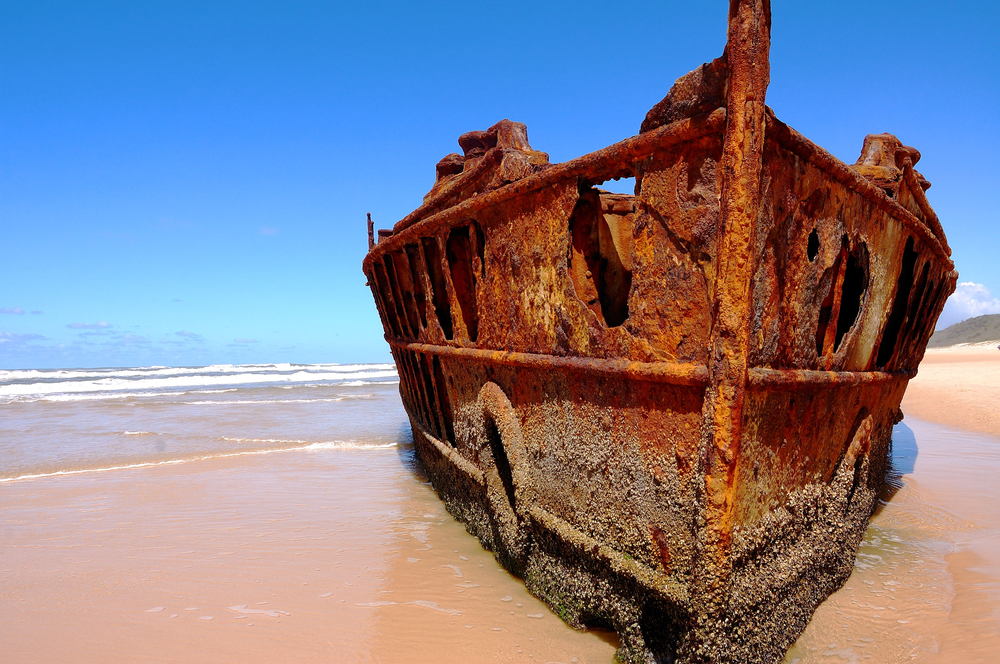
970 331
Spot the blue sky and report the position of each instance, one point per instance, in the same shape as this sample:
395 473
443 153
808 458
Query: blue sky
186 182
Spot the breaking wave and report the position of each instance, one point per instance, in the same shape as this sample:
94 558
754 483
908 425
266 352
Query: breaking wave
13 375
84 384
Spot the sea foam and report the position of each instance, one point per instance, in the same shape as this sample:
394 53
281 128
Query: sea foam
61 384
304 447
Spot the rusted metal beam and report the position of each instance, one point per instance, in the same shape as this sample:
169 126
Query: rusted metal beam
740 199
801 146
674 373
930 217
806 378
601 165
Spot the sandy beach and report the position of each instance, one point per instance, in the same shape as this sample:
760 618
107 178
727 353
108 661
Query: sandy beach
958 386
297 557
311 551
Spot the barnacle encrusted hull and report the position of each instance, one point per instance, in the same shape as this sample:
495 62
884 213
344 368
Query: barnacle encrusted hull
669 412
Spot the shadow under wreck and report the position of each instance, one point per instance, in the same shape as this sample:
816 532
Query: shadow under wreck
668 412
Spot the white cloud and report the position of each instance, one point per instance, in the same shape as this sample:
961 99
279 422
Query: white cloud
14 311
99 325
969 299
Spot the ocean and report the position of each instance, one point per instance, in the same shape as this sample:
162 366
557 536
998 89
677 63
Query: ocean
71 421
276 512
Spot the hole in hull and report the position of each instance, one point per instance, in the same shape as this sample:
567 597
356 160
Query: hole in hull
600 253
444 401
844 299
852 293
897 314
439 294
463 280
412 257
812 246
402 322
500 459
620 186
407 291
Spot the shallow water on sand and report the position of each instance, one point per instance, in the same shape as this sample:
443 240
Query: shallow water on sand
926 582
61 421
279 524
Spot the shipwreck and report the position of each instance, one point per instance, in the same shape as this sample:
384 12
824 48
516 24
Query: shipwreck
668 412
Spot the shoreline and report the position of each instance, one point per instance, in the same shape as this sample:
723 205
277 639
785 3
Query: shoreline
344 552
958 386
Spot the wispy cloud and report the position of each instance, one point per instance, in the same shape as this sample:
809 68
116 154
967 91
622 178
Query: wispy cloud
19 338
18 311
190 336
99 325
96 333
969 299
130 339
244 340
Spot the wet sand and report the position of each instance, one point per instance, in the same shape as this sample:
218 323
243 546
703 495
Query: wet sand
304 556
347 555
926 583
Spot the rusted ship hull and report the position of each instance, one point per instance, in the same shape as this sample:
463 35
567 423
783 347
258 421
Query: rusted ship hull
668 412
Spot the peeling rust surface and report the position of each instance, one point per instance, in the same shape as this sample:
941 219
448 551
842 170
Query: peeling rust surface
669 412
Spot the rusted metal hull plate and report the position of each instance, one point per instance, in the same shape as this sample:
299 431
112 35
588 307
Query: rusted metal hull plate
667 414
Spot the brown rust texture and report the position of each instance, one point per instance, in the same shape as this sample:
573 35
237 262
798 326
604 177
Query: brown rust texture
740 201
669 412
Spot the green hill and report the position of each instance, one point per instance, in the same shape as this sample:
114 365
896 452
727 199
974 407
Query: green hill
970 331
